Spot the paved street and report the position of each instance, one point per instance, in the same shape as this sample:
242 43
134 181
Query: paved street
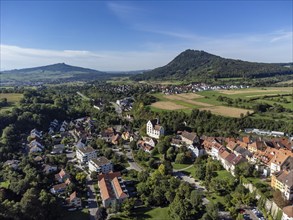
251 215
189 180
192 181
92 201
133 165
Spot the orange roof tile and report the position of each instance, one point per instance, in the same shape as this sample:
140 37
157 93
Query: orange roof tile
104 190
110 186
224 154
118 189
279 158
246 139
288 210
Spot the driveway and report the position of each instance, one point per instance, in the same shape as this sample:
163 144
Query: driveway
92 201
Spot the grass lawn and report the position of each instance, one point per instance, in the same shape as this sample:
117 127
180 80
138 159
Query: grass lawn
224 174
255 180
177 166
76 215
12 99
191 172
156 213
215 198
146 213
4 184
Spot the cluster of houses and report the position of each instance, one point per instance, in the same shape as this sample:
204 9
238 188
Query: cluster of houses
271 157
35 138
63 180
125 104
114 135
196 87
111 186
55 126
82 131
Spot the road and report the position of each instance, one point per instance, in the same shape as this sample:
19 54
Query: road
189 180
130 159
251 215
192 181
92 200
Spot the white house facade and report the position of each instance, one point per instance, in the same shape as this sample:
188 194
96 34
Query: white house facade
154 129
85 154
100 165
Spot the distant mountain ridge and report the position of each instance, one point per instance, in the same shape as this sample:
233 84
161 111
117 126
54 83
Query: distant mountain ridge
55 72
61 67
194 64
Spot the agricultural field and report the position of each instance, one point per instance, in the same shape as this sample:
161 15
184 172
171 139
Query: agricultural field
12 99
243 101
258 91
189 101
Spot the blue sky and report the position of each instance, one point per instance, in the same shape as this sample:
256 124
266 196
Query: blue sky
131 35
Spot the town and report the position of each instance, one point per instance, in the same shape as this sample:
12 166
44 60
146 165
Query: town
93 168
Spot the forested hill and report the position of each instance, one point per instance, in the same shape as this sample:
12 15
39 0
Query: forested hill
55 72
194 65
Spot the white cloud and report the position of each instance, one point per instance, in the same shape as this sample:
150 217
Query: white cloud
125 12
14 57
270 47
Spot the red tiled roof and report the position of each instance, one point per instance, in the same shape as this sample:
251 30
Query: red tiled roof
118 189
231 145
104 190
288 210
224 154
59 186
246 139
62 173
72 196
230 157
110 186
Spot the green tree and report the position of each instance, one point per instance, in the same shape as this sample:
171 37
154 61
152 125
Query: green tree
180 209
162 169
162 147
180 158
30 204
128 205
101 214
81 177
212 210
196 200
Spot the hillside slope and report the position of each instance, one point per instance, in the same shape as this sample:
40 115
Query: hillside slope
194 64
56 72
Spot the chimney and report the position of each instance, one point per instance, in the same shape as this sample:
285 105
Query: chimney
158 121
